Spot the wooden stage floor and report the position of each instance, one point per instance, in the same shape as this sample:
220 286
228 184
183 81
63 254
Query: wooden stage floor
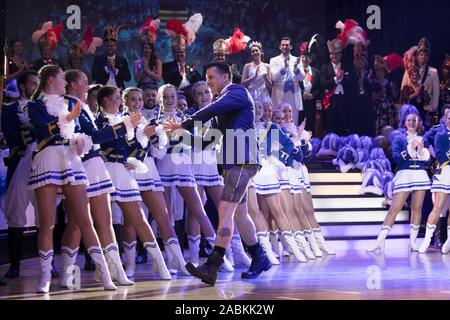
350 275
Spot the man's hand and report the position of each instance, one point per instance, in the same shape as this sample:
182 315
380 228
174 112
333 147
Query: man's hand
171 125
75 113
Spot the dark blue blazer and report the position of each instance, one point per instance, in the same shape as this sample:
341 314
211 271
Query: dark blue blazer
17 136
101 76
442 145
235 111
401 156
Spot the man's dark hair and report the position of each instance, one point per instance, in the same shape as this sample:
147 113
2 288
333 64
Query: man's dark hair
286 38
222 68
23 78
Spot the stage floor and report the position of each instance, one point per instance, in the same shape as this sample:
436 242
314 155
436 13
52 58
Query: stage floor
351 274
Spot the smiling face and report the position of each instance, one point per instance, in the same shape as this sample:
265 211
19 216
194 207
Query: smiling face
150 97
412 122
216 80
110 48
80 87
256 53
134 101
277 118
147 49
169 99
202 95
267 114
182 105
285 47
259 110
287 113
57 84
306 60
112 103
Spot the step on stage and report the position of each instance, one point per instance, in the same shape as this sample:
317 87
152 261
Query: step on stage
351 275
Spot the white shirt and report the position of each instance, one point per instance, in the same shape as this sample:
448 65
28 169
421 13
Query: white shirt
339 88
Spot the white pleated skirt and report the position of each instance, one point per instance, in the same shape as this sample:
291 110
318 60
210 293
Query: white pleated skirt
294 182
441 182
149 181
411 180
204 165
175 169
266 180
57 165
99 178
126 187
305 179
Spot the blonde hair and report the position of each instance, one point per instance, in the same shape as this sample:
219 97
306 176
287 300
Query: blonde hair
161 93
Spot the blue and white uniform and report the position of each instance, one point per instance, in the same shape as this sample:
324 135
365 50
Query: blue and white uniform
118 152
441 180
411 172
55 161
21 140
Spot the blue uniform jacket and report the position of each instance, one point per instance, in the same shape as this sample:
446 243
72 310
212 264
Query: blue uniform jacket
235 111
98 135
17 136
431 134
401 156
442 145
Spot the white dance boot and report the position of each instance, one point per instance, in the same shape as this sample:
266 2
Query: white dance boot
428 235
102 270
291 244
313 243
45 260
240 257
321 242
68 257
379 243
274 241
115 267
263 238
170 261
173 247
303 245
158 261
129 250
227 266
194 249
446 247
413 232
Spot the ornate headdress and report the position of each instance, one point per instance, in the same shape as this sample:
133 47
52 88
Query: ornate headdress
48 35
305 47
424 46
183 34
389 63
351 32
234 44
149 29
90 43
410 60
334 46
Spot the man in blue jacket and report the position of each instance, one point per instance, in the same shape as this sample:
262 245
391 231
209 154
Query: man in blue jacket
234 114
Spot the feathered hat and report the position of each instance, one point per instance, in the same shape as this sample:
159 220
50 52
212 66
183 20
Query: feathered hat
388 63
409 58
424 46
351 33
90 43
149 29
48 35
183 34
305 47
234 44
334 46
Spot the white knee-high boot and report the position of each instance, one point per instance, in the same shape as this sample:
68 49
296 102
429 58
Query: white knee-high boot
115 267
291 244
446 247
97 256
263 237
45 260
194 249
317 232
158 261
227 265
68 257
129 250
173 246
428 235
303 245
274 241
413 232
240 257
313 243
379 243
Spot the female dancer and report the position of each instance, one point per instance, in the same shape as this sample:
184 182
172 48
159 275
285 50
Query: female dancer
175 168
150 184
57 167
208 179
121 160
411 155
100 184
440 187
